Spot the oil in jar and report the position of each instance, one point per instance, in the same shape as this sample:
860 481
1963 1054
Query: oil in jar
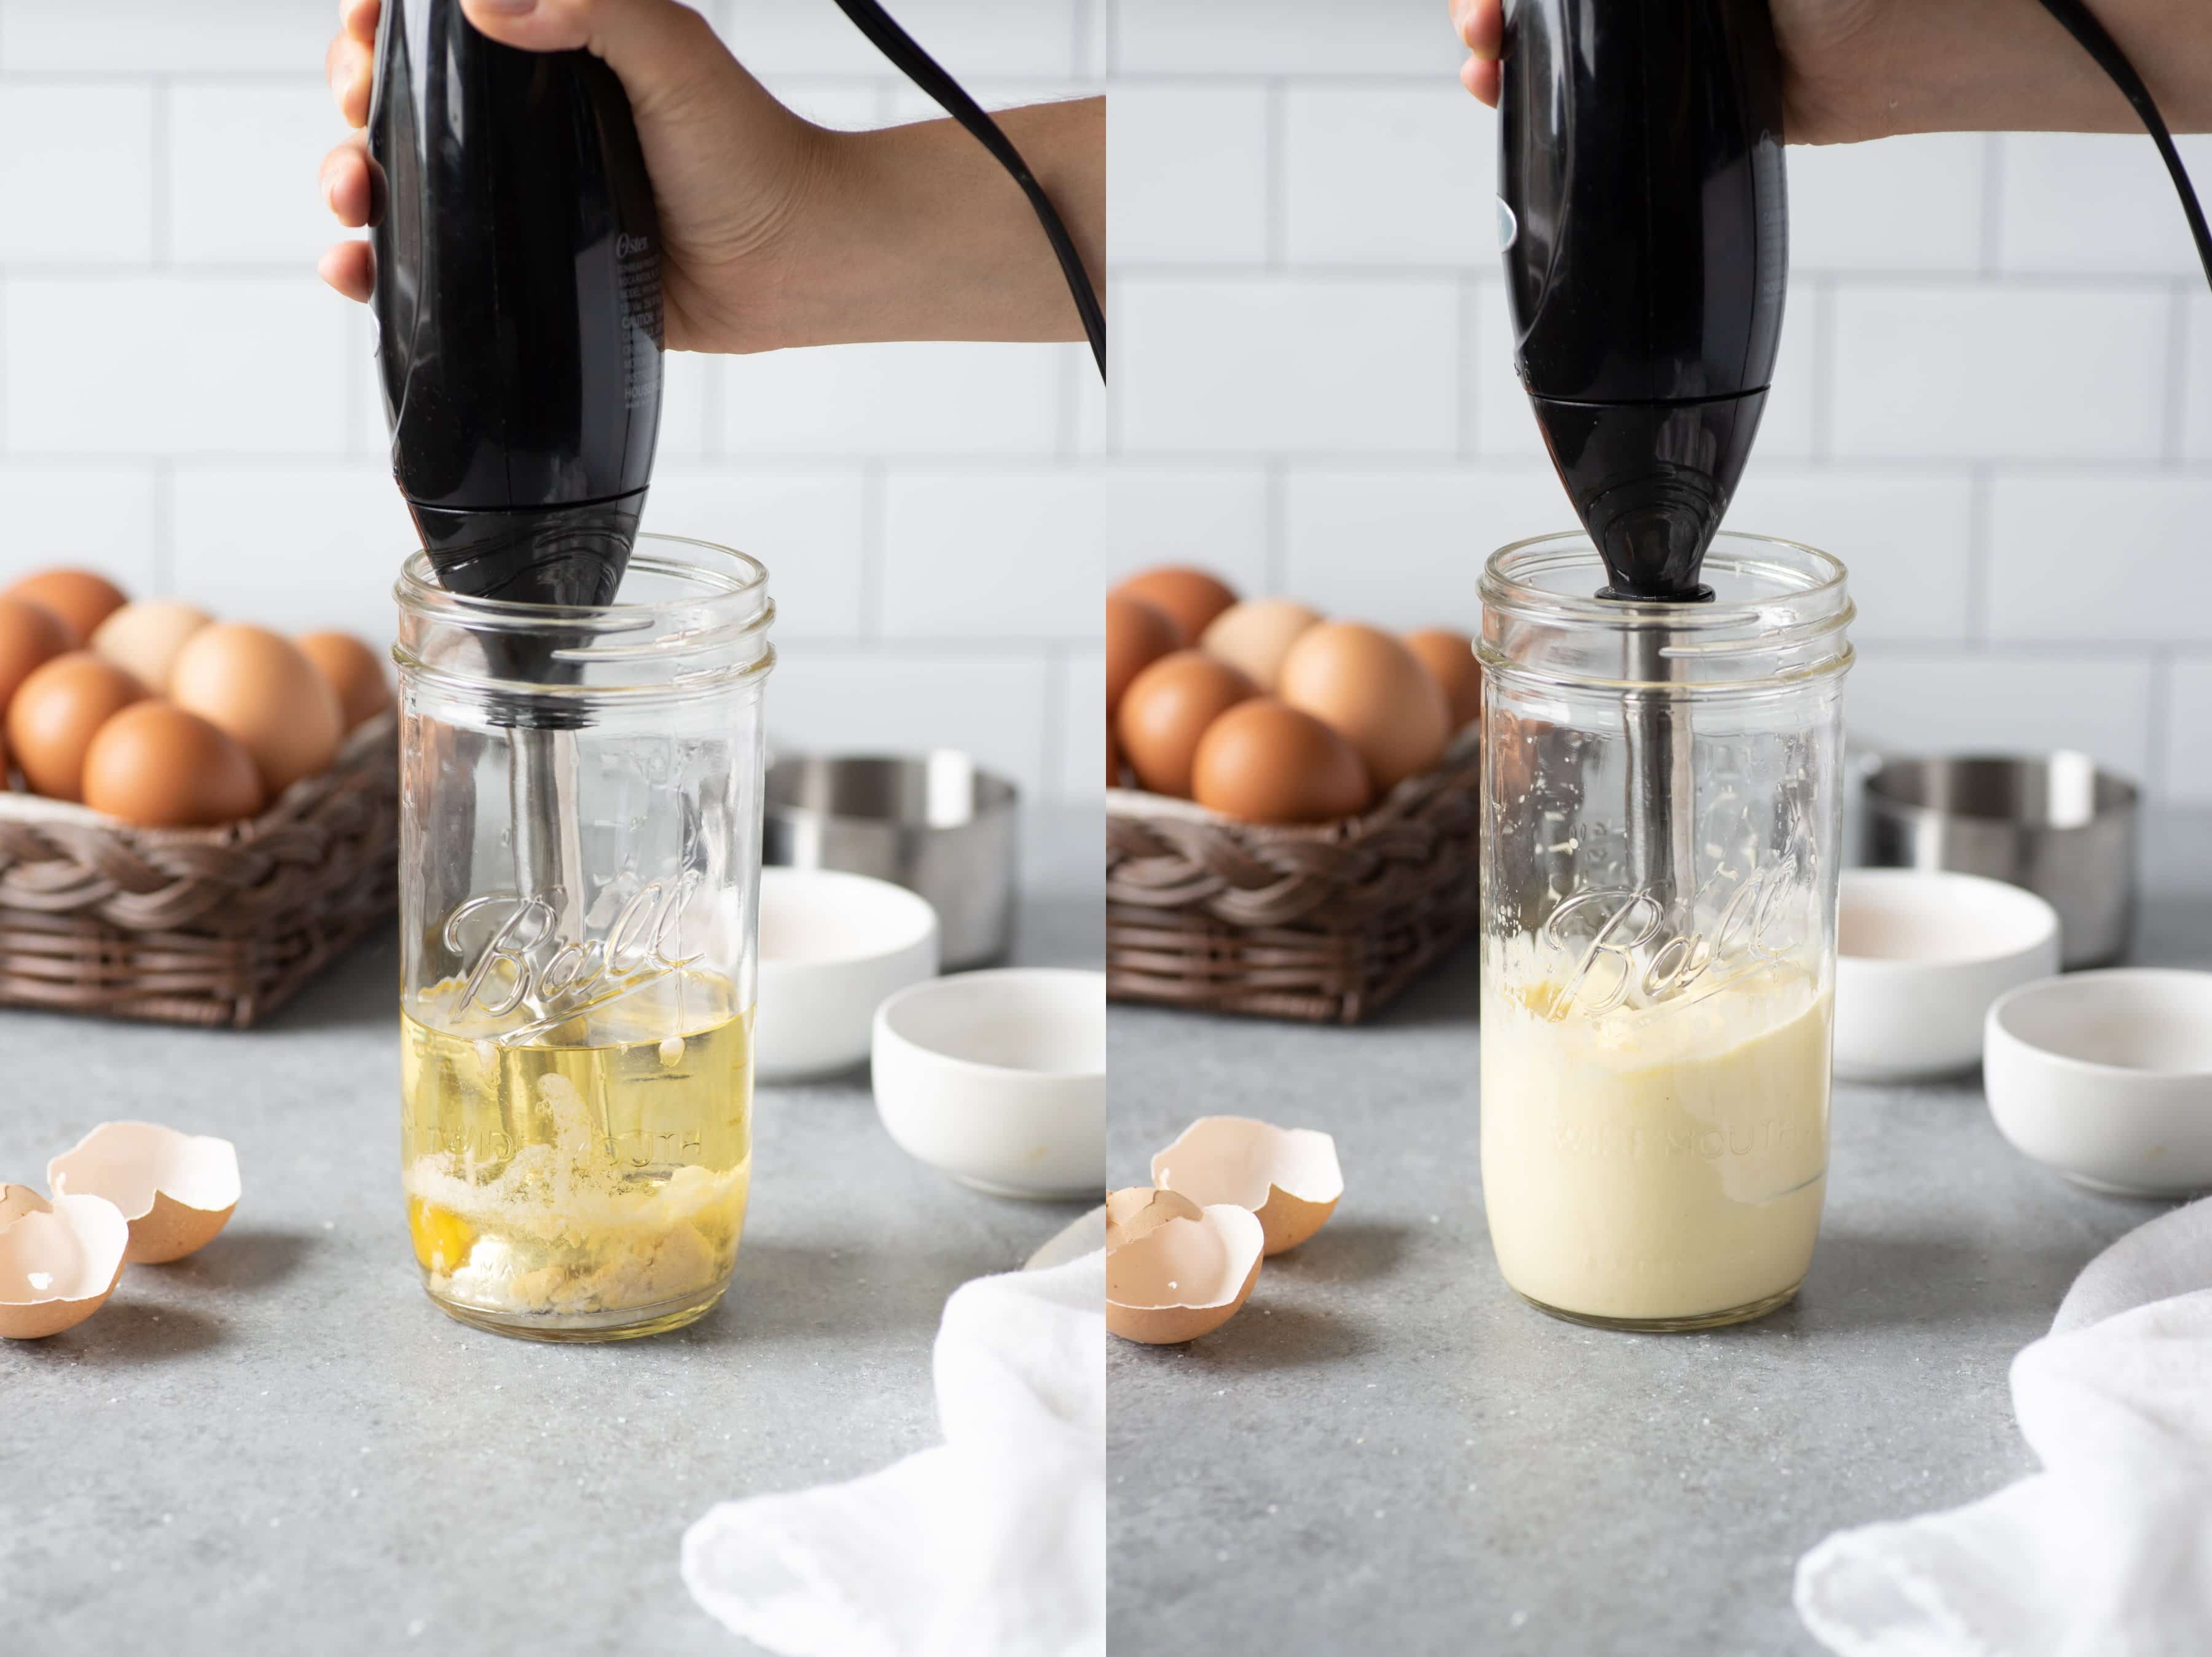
585 1175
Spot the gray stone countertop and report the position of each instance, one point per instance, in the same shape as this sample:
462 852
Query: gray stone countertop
280 1445
1386 1451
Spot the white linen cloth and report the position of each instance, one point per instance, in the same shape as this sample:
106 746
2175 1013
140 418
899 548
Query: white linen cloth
992 1542
2108 1552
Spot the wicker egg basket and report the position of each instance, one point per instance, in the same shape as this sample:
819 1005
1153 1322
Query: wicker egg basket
199 926
1326 923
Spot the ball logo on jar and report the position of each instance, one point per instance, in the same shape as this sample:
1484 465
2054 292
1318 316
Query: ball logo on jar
1619 935
525 961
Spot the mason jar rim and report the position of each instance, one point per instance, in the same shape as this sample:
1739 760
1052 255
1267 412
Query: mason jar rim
1803 622
726 613
1563 548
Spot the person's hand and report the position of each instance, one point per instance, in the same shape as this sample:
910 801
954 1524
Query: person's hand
732 168
1866 69
1831 57
774 231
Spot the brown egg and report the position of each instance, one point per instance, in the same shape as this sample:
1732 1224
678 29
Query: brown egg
81 599
1375 691
260 688
1192 598
30 635
353 671
57 711
1257 634
1266 762
143 639
1450 657
1113 758
1166 710
157 765
1138 634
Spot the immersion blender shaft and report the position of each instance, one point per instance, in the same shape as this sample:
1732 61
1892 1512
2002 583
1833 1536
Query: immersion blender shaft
1662 794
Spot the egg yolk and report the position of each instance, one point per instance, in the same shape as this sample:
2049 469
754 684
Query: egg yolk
442 1238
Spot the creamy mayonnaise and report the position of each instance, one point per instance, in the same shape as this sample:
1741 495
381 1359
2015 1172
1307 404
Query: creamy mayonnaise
1654 1163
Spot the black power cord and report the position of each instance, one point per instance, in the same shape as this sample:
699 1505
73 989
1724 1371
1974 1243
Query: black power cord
896 44
2078 21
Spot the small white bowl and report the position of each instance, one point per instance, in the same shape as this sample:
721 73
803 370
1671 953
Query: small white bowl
832 948
1920 954
998 1079
2107 1077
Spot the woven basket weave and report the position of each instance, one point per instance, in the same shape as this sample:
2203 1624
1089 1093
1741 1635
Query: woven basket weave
1326 923
198 926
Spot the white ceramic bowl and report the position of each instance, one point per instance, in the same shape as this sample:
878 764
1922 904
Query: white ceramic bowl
1920 955
832 948
2107 1077
998 1079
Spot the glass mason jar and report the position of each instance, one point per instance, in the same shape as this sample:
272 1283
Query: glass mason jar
1662 832
579 865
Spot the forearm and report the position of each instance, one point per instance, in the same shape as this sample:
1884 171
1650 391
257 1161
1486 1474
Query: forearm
919 234
2008 66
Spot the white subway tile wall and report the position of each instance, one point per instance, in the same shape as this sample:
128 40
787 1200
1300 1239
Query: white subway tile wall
1997 368
184 404
1995 396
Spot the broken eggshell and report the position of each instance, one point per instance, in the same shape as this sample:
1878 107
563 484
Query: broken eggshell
176 1189
16 1201
1140 1209
1184 1277
59 1261
1287 1176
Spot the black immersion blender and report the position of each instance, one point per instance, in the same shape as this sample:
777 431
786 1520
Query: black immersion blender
519 328
1645 216
518 306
